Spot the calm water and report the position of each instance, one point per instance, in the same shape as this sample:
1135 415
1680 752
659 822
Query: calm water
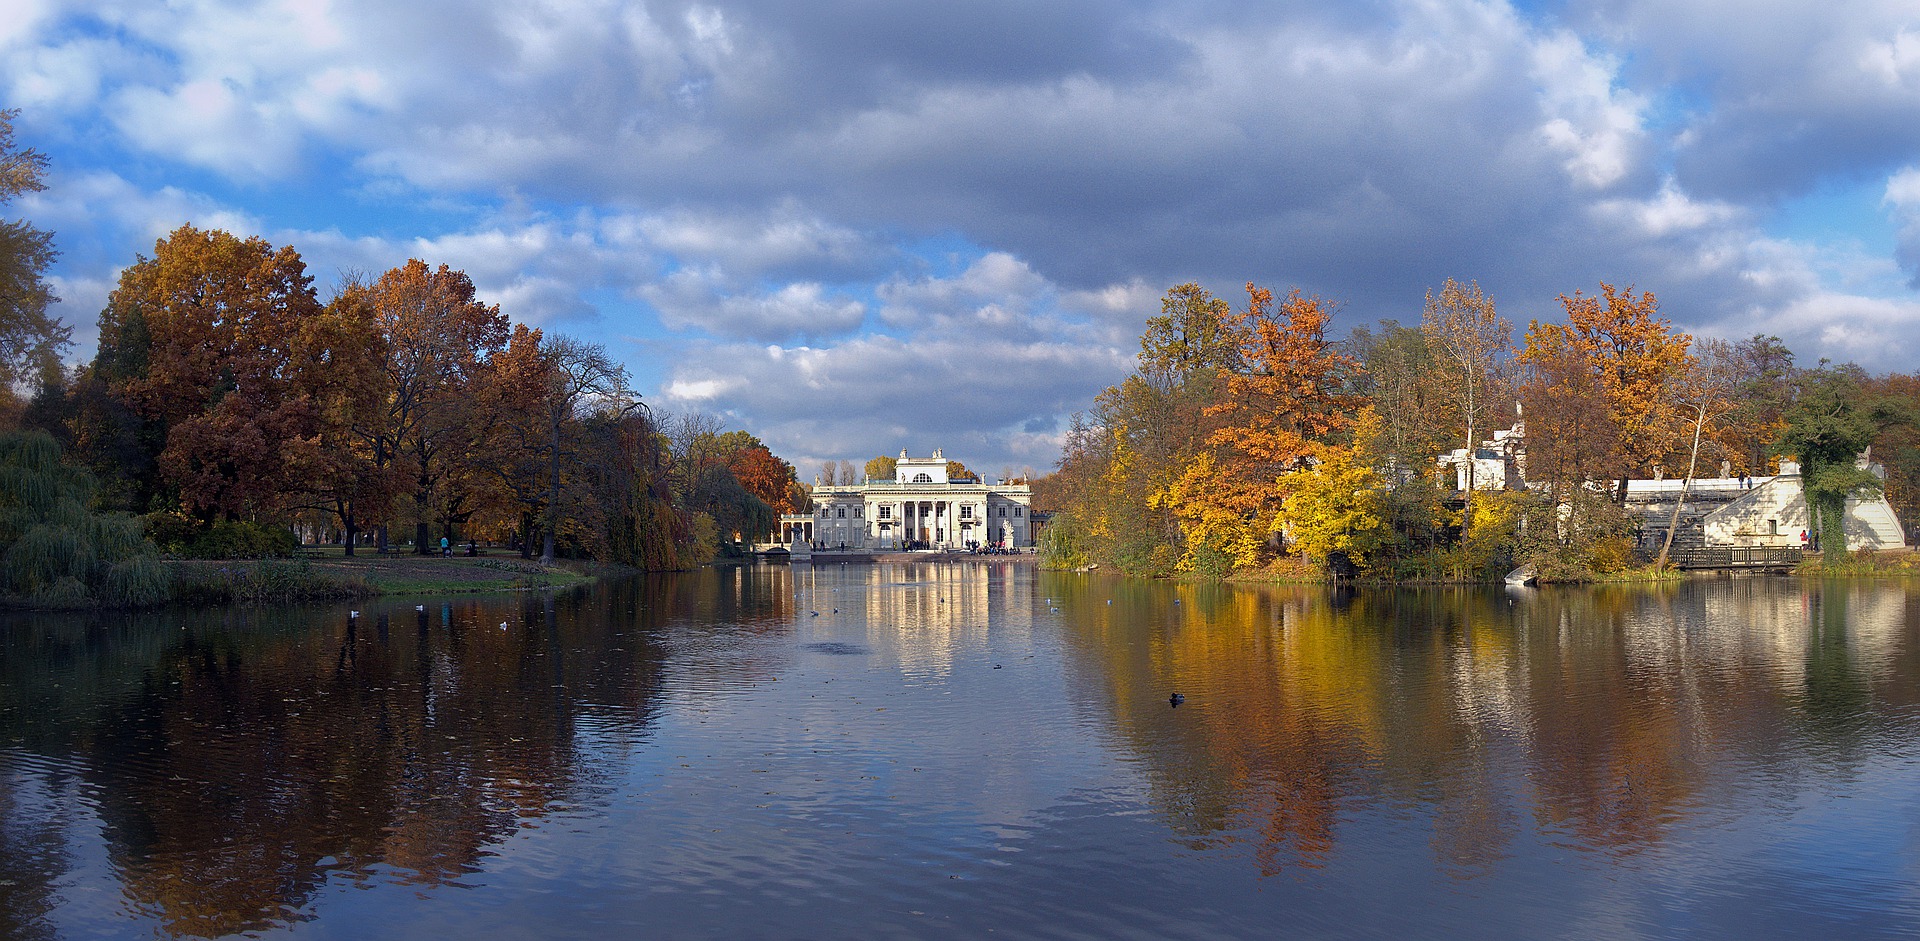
952 751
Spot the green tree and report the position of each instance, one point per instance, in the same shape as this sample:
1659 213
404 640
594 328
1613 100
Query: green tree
53 549
30 339
1827 427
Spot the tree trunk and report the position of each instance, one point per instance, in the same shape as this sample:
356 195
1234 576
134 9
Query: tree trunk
1699 419
353 534
420 537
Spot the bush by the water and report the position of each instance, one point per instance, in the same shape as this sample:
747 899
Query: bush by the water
56 552
187 538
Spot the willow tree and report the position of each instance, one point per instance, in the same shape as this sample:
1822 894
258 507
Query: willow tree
53 550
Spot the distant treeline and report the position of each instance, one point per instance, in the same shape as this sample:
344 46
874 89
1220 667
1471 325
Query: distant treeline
1247 440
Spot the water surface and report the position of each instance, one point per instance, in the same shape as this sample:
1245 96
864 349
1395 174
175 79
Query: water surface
957 750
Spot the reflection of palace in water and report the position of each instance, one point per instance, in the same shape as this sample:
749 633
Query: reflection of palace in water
922 614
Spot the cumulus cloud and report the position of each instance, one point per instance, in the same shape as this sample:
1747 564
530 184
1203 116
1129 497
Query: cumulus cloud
975 398
902 183
694 298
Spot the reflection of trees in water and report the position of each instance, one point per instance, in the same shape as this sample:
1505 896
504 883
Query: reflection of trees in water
251 762
1603 714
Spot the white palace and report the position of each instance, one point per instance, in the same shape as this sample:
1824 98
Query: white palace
918 509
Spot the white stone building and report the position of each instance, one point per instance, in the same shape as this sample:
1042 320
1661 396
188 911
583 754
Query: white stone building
918 509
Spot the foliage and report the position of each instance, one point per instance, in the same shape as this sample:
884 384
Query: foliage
881 468
188 538
54 550
31 340
1336 508
1827 425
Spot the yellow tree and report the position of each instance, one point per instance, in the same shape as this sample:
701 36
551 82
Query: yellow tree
1337 505
1284 399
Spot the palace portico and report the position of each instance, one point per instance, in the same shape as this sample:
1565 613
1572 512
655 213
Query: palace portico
919 508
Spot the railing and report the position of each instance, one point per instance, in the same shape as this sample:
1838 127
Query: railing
1735 557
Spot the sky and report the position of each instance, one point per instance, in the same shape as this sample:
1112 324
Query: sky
855 226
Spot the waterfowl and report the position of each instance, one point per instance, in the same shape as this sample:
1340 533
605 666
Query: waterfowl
1176 699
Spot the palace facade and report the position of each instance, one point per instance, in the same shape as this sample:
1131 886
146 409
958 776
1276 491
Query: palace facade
920 508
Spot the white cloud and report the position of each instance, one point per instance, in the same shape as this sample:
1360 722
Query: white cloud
974 397
697 298
1588 118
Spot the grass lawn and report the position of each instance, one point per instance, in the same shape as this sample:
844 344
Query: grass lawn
422 574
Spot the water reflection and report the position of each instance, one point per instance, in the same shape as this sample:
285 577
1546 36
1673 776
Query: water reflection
1599 718
982 744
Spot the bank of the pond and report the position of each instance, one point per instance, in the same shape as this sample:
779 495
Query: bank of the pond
335 575
357 576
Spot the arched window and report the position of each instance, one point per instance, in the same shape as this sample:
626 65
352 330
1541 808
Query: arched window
922 479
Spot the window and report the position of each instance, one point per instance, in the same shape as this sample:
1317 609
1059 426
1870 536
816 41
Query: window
966 511
886 512
856 512
1003 511
922 479
843 512
1019 510
824 511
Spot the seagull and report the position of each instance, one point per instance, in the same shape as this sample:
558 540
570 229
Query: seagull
419 607
1175 700
353 614
503 625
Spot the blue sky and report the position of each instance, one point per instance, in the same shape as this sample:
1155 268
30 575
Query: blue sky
853 226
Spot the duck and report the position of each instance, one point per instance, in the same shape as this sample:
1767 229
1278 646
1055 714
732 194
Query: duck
1175 700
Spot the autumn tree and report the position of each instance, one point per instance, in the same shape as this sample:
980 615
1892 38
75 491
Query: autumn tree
881 468
225 371
342 474
437 335
1637 358
1571 435
31 339
1470 337
959 471
1335 509
1704 389
1285 400
764 475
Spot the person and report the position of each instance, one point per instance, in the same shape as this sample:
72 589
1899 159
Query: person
446 549
1803 539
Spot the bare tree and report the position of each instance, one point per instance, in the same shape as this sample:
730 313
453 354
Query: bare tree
583 377
1706 389
829 474
1462 326
847 473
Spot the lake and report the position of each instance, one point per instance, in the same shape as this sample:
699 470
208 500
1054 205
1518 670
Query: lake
957 750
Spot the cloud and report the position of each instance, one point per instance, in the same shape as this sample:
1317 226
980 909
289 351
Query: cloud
981 399
1903 198
693 298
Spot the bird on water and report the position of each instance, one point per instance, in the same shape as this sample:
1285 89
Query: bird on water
1175 700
